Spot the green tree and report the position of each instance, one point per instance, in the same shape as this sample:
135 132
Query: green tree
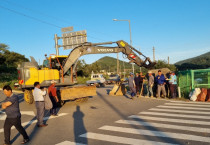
163 64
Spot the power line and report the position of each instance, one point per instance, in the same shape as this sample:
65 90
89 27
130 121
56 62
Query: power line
33 18
53 17
36 19
45 22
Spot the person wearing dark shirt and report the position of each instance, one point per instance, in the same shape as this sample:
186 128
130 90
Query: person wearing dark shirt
160 79
53 97
137 83
141 83
11 106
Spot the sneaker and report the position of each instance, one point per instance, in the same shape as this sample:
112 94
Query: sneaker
25 141
43 125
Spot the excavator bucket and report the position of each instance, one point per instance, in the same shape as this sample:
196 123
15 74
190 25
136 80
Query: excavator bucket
76 92
118 90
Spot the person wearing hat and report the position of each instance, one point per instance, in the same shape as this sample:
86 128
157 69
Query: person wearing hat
132 86
173 85
150 84
53 97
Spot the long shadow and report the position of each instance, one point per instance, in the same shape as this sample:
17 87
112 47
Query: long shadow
79 127
164 139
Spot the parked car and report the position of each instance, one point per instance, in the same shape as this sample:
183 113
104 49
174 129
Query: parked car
113 79
97 80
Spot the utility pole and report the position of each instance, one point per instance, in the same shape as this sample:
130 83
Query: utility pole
140 67
168 60
153 54
117 63
56 44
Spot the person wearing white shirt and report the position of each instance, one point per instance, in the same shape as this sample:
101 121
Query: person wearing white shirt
39 100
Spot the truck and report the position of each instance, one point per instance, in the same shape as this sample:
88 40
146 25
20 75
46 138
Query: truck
62 69
96 79
113 78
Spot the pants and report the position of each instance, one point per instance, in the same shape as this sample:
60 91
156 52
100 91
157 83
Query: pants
133 91
54 103
9 122
137 89
141 89
150 91
161 88
40 112
173 89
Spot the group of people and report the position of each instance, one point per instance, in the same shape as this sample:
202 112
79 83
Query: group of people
155 86
11 106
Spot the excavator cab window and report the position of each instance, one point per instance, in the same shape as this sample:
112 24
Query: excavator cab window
46 63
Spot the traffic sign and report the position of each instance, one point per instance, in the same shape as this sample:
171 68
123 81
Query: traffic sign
74 39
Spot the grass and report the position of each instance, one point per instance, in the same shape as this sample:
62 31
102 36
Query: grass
82 80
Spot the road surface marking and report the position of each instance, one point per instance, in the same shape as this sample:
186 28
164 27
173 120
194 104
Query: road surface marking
186 105
191 102
178 107
35 120
3 114
179 111
175 115
161 125
69 143
123 140
156 133
171 120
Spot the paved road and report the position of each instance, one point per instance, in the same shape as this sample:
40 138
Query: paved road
117 120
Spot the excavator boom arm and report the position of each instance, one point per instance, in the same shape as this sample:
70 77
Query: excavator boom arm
94 48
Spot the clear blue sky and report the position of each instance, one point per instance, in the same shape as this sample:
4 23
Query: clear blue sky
179 29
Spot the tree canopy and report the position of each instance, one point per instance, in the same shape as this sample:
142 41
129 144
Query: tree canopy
10 58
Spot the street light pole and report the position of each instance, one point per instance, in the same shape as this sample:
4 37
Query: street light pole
130 35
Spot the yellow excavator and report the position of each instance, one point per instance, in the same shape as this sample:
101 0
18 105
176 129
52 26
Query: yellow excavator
62 69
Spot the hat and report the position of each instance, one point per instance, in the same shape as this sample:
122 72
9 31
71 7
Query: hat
131 73
53 81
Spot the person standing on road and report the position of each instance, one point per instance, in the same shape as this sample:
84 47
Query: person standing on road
137 83
141 83
160 79
11 106
53 97
173 85
132 85
39 99
150 84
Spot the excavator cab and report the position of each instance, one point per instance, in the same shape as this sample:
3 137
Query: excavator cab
54 61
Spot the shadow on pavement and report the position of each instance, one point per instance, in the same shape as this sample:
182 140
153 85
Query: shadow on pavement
163 139
79 127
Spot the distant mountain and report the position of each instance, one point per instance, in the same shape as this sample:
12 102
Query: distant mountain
198 62
110 64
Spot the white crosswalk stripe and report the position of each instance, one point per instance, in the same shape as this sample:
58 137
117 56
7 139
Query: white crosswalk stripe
186 105
190 102
69 143
156 133
170 120
175 115
159 123
182 107
162 125
179 111
123 140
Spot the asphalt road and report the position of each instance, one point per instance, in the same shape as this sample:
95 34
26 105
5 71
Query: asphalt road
114 120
